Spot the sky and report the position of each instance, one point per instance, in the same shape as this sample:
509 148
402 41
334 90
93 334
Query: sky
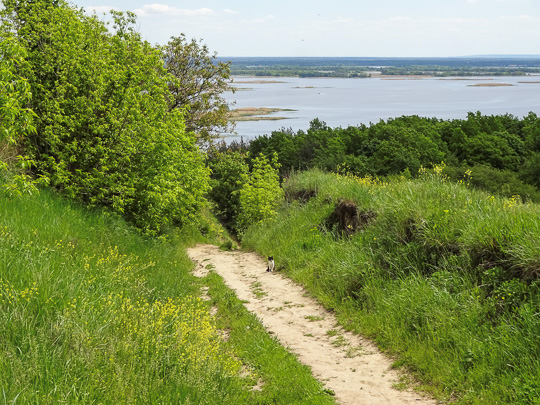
340 28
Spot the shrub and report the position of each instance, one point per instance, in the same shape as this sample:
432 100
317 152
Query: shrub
260 196
229 173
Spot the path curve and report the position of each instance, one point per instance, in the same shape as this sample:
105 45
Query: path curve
348 364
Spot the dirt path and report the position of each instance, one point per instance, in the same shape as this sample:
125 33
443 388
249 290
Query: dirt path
347 364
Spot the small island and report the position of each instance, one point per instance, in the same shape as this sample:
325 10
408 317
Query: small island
490 85
256 114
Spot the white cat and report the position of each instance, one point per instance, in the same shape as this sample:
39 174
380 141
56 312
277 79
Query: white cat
271 264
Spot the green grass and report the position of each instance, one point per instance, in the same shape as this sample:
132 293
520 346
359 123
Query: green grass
443 277
91 312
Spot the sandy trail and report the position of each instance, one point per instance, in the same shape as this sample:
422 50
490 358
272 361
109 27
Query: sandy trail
349 365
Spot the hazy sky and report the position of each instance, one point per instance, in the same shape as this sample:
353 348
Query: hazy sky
341 27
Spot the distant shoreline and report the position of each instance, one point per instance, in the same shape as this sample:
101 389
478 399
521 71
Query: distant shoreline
255 79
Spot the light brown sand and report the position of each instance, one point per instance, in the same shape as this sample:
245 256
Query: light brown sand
348 364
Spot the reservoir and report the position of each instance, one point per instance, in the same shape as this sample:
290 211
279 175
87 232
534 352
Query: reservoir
351 102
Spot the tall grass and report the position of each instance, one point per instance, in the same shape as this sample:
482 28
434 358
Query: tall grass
442 276
90 312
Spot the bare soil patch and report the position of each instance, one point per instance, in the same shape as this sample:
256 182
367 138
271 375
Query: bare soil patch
347 217
347 364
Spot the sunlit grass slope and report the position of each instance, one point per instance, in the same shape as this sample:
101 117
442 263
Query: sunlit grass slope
90 312
442 276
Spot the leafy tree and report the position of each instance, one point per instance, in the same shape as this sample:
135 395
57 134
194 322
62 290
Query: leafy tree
401 148
493 149
496 182
260 196
16 119
531 170
104 132
531 133
229 174
200 81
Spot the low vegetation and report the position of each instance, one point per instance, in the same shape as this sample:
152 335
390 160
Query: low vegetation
443 277
92 312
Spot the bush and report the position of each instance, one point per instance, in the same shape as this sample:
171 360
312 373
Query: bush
229 173
260 196
497 182
104 132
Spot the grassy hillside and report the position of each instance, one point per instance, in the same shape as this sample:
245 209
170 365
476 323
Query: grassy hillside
443 277
90 312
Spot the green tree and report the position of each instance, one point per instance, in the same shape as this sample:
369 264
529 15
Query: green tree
530 171
493 149
401 148
229 174
16 119
200 80
261 195
104 132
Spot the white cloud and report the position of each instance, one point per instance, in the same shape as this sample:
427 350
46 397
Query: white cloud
229 11
156 9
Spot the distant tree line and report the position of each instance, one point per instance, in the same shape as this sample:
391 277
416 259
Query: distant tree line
296 71
448 71
501 153
361 67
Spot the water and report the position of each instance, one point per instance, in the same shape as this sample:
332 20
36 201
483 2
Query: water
346 102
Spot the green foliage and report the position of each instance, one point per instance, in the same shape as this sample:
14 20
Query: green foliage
402 147
16 119
199 81
92 312
504 144
105 134
261 194
505 183
531 169
442 276
493 149
230 172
